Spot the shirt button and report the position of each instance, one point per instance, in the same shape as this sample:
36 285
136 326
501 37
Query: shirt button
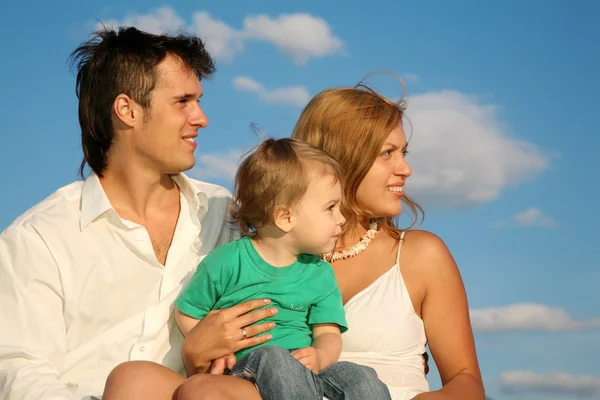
140 240
142 348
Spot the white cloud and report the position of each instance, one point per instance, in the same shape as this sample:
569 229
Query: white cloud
530 217
463 154
533 217
294 95
222 41
299 36
163 19
217 165
527 317
245 84
553 383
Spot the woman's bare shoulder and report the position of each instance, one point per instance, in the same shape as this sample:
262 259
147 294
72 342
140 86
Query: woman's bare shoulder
426 252
424 242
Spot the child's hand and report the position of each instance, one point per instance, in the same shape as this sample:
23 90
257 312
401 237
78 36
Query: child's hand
219 365
309 357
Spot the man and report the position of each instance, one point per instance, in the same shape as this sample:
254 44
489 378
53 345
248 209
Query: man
89 275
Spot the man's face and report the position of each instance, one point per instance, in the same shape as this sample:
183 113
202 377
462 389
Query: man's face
166 142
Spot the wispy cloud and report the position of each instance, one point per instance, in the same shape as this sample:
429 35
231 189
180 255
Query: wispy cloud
294 95
533 217
462 153
409 77
551 384
222 41
217 165
299 36
163 19
527 317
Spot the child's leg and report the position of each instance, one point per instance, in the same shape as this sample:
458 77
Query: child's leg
278 375
349 381
142 380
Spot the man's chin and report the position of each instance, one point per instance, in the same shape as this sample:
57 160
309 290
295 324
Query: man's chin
181 168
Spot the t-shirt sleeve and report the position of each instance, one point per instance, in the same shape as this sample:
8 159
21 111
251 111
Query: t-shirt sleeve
329 309
200 294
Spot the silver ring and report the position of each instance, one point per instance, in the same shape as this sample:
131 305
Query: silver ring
244 333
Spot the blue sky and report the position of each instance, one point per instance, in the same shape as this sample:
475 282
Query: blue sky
502 100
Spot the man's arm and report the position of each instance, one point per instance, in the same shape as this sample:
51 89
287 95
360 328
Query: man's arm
32 333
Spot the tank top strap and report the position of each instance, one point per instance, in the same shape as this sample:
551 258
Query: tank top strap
400 247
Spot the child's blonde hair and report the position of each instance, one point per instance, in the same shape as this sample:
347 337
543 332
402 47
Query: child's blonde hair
277 173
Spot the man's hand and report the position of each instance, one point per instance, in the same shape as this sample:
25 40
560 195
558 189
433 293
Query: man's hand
221 332
309 357
219 365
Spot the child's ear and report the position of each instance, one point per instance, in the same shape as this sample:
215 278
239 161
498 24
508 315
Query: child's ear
284 218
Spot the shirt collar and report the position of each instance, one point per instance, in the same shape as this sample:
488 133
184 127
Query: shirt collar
197 198
94 201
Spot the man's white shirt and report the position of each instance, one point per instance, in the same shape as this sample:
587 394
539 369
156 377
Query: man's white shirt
81 289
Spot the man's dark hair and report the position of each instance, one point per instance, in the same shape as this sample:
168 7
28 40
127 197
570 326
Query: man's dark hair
123 61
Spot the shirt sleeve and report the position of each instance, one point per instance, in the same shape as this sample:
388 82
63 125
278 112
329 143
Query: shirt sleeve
200 294
32 333
329 309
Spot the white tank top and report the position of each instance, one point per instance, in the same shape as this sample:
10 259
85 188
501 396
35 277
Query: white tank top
385 333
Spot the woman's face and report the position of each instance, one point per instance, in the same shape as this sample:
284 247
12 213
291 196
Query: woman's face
380 193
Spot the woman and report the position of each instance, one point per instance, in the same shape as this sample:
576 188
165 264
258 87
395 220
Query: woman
401 289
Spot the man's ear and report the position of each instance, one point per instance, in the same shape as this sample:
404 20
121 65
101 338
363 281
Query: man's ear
284 218
128 111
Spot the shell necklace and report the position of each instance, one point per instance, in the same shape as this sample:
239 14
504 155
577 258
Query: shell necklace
354 250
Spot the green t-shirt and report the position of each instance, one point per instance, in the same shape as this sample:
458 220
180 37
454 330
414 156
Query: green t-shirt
304 292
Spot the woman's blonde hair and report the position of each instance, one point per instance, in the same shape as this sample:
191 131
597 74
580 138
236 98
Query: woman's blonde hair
277 173
352 125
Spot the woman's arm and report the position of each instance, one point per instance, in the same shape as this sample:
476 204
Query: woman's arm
445 314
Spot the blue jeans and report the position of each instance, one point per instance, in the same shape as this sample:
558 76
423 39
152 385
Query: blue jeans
279 376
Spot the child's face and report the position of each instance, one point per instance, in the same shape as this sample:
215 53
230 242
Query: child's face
318 217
